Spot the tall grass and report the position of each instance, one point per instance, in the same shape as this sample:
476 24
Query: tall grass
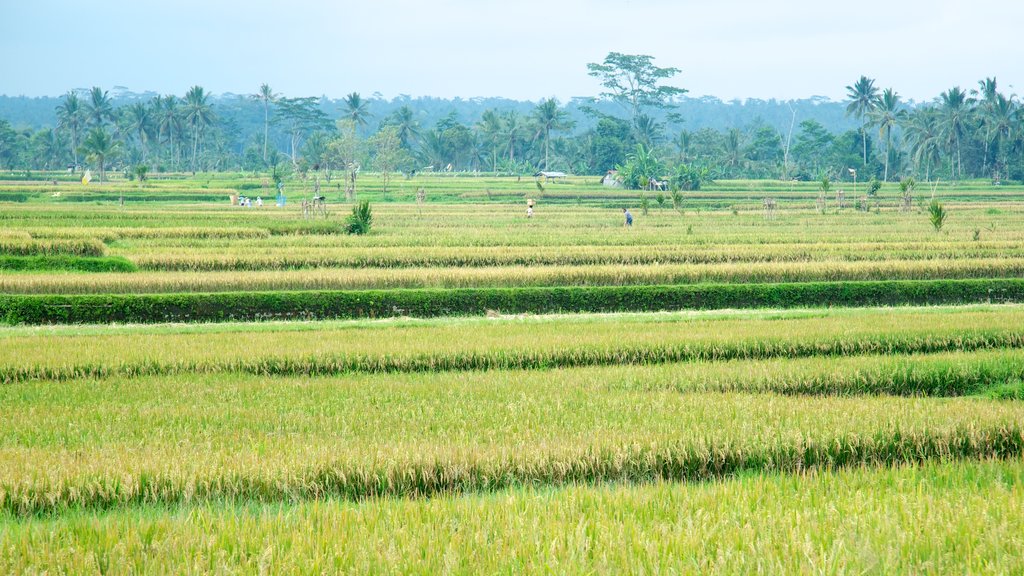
948 518
509 343
112 443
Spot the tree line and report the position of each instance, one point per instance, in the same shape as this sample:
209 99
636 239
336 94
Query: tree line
960 134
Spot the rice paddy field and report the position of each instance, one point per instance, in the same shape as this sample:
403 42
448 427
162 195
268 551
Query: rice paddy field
188 386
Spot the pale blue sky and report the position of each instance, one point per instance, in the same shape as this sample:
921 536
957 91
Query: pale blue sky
528 49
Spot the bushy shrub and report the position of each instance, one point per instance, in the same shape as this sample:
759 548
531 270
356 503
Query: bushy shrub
360 220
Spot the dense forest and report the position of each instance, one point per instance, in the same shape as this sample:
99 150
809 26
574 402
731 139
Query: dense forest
641 125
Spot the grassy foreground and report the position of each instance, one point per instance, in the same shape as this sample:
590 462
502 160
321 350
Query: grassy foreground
940 518
126 441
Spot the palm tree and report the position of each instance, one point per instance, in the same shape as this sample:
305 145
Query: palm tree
71 117
168 117
548 117
491 127
99 107
198 115
682 143
432 150
98 147
924 133
358 111
404 120
512 128
733 148
647 130
139 120
1001 119
267 96
863 95
988 90
886 115
956 108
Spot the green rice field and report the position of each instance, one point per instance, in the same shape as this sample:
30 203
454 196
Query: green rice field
465 390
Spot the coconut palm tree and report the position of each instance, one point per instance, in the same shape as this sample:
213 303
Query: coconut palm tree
548 116
1001 119
512 130
198 116
267 97
646 130
168 121
139 120
863 95
956 110
490 127
98 147
887 114
358 110
99 107
404 121
71 117
924 133
987 90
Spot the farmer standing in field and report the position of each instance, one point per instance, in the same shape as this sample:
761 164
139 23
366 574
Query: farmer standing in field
629 217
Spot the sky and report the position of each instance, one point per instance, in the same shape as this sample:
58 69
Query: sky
525 50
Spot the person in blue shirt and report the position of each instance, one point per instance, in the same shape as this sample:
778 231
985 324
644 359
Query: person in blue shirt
629 217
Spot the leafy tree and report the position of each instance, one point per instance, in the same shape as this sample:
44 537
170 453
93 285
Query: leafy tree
71 117
812 146
863 97
301 116
346 149
641 166
266 96
459 144
766 146
635 83
8 147
388 154
548 117
612 141
98 147
688 177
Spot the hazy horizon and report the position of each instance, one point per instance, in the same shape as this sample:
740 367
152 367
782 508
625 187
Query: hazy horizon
736 49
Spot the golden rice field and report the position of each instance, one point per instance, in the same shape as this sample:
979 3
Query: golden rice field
765 440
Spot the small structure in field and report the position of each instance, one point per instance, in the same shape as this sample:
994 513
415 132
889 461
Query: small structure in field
550 176
611 179
769 208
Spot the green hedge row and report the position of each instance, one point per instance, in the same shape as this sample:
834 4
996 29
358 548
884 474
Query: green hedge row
66 263
205 307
